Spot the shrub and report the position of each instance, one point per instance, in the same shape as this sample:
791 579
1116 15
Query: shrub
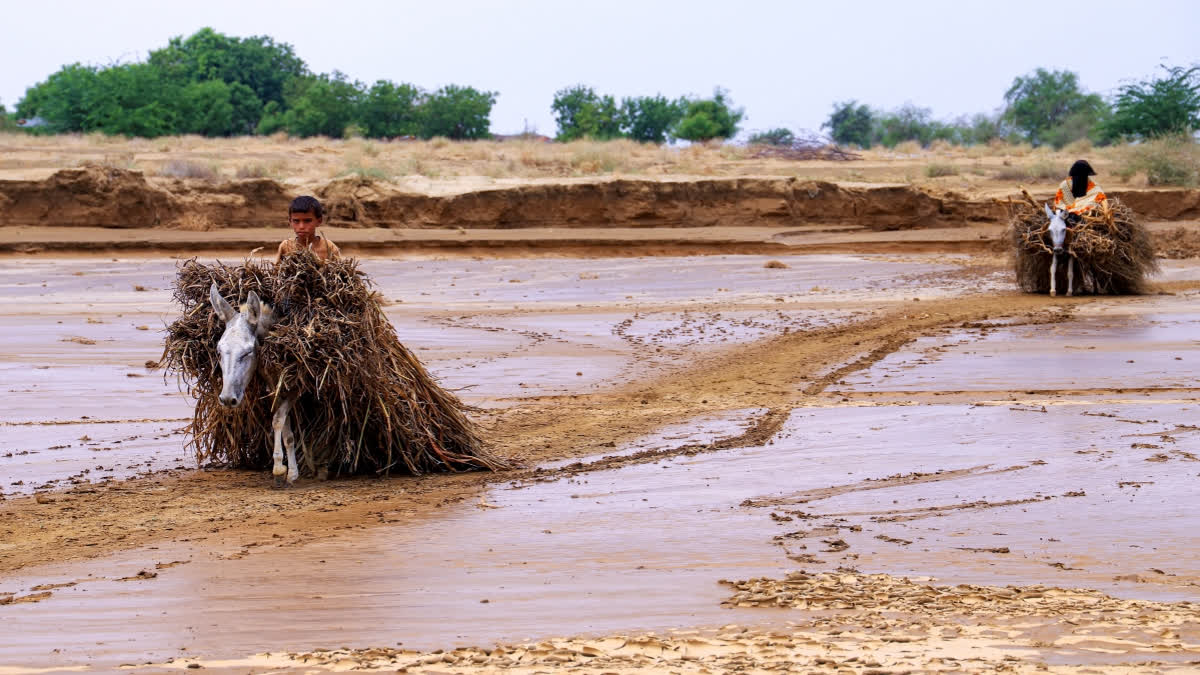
937 170
1045 169
373 172
1078 147
706 119
182 168
1039 170
1171 160
779 136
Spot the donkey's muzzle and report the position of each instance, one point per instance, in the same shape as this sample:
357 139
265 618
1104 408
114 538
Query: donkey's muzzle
229 401
1058 250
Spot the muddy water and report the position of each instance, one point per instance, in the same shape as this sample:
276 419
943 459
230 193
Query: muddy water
1073 491
1149 346
77 334
1090 489
642 547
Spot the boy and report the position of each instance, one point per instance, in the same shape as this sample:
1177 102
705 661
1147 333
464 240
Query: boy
305 215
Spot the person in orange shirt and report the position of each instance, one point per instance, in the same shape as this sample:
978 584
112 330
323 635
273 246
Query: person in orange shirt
305 215
1079 193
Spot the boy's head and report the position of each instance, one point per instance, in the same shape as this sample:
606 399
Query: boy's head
305 216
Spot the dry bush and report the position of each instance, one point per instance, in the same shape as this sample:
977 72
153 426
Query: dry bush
184 168
907 148
1019 149
193 222
1078 147
942 146
258 169
1168 161
939 169
1046 169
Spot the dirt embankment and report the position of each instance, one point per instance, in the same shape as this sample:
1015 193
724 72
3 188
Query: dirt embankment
109 197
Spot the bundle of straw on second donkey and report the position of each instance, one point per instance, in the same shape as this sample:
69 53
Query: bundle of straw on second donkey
309 367
1106 252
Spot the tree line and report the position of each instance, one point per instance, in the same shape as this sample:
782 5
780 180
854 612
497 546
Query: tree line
1042 108
216 85
212 84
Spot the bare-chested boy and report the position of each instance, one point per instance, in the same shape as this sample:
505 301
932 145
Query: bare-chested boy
305 215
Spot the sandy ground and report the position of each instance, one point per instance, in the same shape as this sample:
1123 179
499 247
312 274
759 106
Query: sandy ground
851 463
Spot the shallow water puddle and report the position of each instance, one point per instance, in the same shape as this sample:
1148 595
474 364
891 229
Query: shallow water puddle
1152 349
1083 495
88 452
639 547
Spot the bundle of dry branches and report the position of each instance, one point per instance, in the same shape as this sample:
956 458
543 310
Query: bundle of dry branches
1113 253
806 148
364 403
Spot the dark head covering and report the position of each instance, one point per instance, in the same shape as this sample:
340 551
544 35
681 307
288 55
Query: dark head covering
1079 173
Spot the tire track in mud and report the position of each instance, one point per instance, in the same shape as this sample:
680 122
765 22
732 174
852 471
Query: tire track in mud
214 508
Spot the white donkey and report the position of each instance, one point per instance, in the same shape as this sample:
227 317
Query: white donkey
237 360
1058 240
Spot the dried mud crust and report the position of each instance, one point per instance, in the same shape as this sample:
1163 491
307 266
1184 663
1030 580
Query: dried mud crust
111 197
217 505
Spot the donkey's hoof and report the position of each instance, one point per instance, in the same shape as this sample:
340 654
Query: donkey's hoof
280 483
293 476
279 471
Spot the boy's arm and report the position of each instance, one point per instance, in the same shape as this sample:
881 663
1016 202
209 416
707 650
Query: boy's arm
283 245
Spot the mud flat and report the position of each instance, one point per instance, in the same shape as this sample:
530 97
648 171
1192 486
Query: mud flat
866 419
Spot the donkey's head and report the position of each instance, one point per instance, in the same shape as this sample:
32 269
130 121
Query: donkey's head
237 345
1058 229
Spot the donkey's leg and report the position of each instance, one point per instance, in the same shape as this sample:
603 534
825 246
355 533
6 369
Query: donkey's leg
1070 276
289 442
1053 274
277 425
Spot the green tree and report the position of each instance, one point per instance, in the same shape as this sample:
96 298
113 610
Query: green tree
1169 105
273 119
247 109
780 136
649 119
205 109
133 100
390 110
325 106
581 113
257 62
1049 107
7 121
457 112
909 123
708 118
979 129
63 99
850 124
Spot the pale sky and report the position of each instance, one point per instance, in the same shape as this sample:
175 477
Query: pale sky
784 62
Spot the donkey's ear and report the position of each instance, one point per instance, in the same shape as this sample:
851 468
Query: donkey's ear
253 308
1049 213
220 306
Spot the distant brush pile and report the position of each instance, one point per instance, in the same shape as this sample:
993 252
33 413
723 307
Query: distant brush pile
364 403
1113 253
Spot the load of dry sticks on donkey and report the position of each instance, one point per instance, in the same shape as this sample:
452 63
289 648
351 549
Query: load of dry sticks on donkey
308 364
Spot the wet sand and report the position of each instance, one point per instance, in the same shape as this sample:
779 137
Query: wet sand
729 421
